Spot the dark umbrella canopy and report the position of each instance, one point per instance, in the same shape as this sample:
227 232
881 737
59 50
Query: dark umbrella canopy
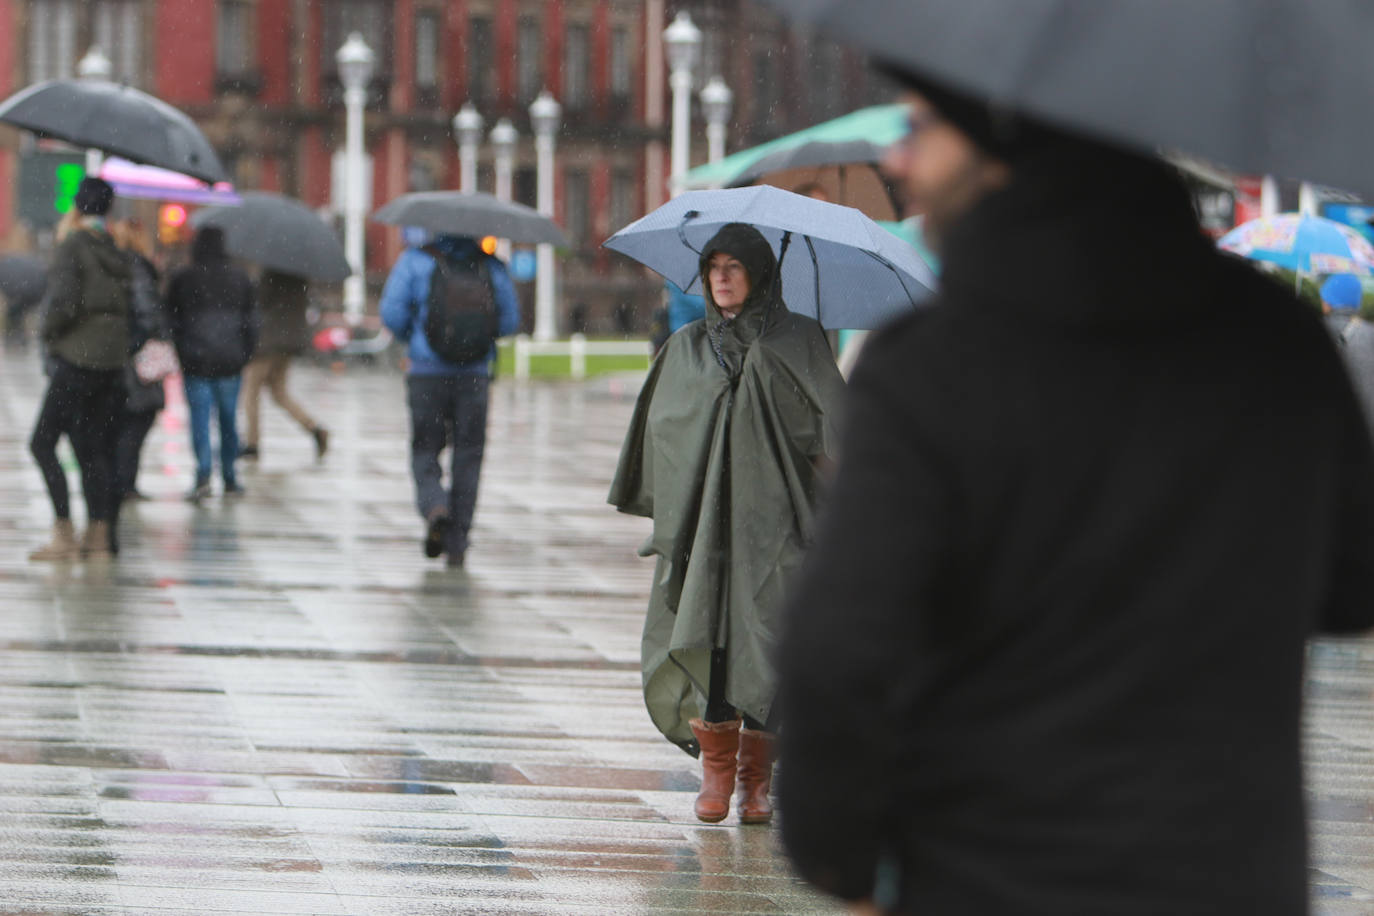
281 233
23 278
116 119
1283 87
473 214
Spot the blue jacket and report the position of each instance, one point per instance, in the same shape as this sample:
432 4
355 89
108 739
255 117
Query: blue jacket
405 298
683 308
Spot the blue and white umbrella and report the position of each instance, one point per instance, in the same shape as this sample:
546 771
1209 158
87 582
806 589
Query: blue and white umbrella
840 267
1304 244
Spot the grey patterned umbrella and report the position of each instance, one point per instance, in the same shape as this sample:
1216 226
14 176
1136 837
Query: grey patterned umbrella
116 119
473 214
281 233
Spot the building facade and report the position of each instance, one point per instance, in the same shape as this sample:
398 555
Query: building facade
260 78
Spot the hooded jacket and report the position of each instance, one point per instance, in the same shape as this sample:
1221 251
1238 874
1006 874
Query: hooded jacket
1090 506
86 321
722 454
211 311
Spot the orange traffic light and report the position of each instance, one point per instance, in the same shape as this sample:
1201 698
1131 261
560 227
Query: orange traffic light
171 222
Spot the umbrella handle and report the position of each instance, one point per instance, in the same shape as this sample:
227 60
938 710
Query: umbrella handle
682 231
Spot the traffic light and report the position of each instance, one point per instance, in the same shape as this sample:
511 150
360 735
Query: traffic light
171 223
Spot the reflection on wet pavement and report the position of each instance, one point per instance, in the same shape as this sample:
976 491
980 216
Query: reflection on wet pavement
278 706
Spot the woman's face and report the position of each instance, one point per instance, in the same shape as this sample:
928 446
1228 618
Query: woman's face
729 283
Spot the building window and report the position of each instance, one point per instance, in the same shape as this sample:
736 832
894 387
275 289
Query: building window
576 64
427 49
479 59
370 19
622 205
233 42
52 39
117 31
620 62
576 207
529 56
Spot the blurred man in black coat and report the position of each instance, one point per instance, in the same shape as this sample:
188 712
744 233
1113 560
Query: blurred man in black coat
1047 654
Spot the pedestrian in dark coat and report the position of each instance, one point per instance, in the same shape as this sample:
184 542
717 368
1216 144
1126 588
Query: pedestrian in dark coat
282 302
213 316
1046 656
85 329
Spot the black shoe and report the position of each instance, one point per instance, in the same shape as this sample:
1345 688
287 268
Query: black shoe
436 534
200 491
249 452
234 489
321 442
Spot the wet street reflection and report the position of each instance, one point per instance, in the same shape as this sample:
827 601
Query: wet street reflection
277 705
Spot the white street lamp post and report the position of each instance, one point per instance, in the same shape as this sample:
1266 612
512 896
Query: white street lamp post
683 40
94 66
467 126
544 117
355 61
716 99
503 139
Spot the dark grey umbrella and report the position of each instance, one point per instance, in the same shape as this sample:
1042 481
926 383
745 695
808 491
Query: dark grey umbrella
23 278
473 214
116 119
281 233
1282 87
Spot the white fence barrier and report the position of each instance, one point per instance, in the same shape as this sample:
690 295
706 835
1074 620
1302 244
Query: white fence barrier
577 349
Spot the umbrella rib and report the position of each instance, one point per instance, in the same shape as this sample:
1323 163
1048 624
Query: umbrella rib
815 275
895 272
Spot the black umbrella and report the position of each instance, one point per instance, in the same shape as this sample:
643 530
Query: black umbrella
23 278
281 233
1284 87
116 119
473 214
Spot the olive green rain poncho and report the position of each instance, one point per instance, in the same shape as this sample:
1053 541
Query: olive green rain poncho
722 454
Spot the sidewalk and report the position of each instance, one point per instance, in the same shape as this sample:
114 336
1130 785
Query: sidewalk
278 706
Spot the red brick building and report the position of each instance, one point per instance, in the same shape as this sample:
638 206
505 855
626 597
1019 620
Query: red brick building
260 78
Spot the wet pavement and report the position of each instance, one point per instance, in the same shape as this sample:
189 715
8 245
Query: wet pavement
276 705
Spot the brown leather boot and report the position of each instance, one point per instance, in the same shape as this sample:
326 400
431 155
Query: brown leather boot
719 748
95 544
755 777
62 547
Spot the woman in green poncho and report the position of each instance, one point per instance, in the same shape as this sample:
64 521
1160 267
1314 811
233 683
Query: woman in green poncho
724 453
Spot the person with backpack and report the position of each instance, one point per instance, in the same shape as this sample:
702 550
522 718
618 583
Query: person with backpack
448 301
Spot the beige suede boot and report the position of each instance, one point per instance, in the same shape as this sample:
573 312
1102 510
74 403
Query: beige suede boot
95 545
62 547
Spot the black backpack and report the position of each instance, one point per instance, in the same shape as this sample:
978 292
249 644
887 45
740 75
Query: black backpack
461 319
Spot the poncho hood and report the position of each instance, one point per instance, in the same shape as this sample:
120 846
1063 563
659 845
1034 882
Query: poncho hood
731 337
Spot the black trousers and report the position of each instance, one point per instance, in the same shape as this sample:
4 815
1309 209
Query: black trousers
128 447
88 406
717 710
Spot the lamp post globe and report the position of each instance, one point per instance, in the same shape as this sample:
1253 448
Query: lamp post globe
467 126
545 114
683 41
94 65
503 138
716 101
355 60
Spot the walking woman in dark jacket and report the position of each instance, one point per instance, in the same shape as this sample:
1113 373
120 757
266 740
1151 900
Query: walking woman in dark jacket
86 332
210 306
